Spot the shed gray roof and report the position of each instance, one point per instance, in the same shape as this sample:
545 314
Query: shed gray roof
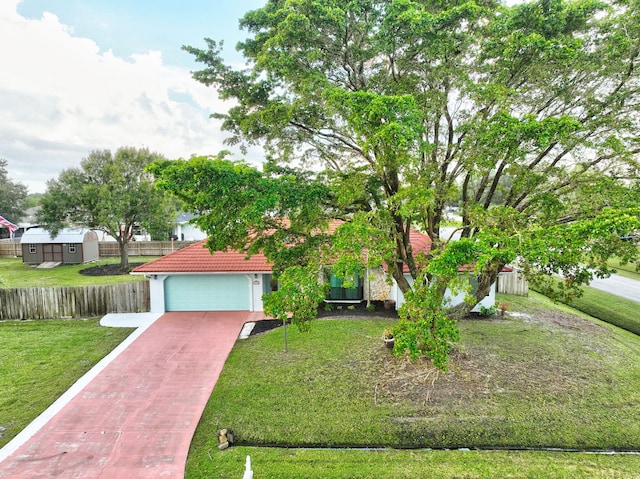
65 235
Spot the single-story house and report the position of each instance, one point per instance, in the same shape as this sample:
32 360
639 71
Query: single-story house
184 230
70 246
193 279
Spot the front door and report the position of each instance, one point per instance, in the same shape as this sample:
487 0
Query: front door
52 252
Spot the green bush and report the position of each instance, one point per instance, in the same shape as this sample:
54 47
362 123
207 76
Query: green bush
488 312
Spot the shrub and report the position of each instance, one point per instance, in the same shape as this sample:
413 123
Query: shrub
488 312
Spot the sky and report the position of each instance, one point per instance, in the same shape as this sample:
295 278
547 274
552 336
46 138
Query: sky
83 75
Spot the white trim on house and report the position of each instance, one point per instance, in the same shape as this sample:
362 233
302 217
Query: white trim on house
156 292
257 287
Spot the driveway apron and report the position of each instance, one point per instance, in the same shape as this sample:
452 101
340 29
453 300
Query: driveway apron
137 417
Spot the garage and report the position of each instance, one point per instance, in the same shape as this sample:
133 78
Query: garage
207 292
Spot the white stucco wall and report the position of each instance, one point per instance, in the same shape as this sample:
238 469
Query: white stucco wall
376 284
454 300
156 291
487 302
190 232
256 292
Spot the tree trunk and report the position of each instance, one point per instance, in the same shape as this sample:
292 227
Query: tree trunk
123 244
485 280
398 275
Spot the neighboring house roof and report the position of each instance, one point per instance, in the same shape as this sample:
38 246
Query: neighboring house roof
184 218
66 235
196 258
29 220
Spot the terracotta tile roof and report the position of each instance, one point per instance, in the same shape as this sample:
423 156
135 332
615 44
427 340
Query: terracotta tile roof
196 258
468 268
420 242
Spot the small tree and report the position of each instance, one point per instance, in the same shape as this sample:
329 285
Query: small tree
109 192
12 196
300 291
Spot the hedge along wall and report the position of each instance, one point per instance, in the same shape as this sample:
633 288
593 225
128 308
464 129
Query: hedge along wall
74 302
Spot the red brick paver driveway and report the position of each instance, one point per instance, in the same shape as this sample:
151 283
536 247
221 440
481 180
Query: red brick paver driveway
136 419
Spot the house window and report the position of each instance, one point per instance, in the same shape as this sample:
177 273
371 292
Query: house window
269 284
72 248
473 281
32 248
338 292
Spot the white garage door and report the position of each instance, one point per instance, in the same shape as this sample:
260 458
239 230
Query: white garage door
207 293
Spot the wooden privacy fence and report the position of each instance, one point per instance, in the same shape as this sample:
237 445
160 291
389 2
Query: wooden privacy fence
74 302
10 248
513 283
143 248
110 248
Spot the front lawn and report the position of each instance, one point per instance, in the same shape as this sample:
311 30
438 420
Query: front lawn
622 312
539 378
40 360
629 270
16 274
607 307
279 463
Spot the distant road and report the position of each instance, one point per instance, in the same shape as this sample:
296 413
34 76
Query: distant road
620 286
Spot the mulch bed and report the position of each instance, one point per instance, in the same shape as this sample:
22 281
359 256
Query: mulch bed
358 310
108 269
345 311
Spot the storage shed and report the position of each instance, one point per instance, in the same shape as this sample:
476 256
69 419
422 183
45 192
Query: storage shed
70 246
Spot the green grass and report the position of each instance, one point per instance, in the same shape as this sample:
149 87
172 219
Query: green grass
612 309
524 381
398 464
543 379
16 274
628 270
40 360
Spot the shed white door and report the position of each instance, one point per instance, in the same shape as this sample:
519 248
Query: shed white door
207 293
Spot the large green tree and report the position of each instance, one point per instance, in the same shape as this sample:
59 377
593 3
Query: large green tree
528 112
108 192
13 196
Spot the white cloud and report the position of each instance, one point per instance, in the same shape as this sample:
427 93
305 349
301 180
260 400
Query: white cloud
62 97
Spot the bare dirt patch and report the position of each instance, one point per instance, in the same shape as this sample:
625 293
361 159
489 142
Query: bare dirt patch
561 320
480 369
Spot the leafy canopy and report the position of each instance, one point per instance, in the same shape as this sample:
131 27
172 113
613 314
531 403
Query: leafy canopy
13 196
108 192
525 115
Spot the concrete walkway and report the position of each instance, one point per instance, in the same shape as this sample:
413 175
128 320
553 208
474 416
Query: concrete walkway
137 417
